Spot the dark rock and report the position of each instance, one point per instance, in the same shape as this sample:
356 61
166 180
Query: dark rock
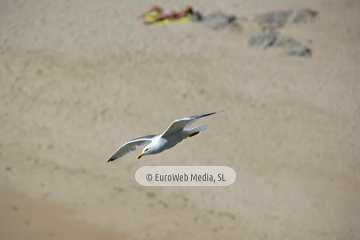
263 39
282 41
196 17
280 18
270 38
273 18
295 48
302 15
216 20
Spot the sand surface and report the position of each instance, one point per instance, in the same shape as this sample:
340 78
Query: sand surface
80 78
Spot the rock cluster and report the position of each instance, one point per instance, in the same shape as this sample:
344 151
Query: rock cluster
270 38
215 20
269 22
280 18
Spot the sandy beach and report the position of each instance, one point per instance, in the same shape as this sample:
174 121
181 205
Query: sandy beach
80 78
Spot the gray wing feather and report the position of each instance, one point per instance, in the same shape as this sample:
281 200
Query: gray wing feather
182 123
131 146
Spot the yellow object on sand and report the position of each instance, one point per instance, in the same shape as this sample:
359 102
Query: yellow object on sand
151 16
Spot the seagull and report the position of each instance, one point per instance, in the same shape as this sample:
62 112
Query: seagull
174 134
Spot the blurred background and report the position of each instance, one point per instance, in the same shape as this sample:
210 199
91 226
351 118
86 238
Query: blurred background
80 78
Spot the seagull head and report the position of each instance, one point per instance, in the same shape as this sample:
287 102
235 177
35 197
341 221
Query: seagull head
147 150
154 147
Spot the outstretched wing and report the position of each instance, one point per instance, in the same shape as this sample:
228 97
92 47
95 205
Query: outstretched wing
131 146
181 123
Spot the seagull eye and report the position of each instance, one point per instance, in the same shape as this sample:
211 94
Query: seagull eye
146 150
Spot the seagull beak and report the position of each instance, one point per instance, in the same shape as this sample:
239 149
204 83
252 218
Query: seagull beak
140 155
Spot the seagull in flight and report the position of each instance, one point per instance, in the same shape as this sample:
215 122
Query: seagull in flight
175 133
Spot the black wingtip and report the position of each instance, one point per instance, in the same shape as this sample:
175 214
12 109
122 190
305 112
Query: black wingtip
111 159
209 114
